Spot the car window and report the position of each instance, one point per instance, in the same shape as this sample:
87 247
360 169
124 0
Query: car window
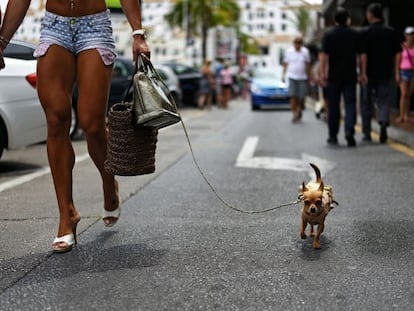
120 70
19 51
267 74
162 74
180 69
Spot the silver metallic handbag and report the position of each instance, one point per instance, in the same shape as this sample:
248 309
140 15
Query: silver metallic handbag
151 104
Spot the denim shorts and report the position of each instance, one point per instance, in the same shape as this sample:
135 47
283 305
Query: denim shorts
407 75
77 34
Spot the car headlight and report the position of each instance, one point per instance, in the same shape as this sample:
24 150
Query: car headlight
255 88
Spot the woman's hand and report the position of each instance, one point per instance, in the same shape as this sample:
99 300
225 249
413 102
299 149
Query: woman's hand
140 46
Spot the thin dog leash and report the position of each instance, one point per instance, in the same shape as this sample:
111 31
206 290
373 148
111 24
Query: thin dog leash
203 175
219 197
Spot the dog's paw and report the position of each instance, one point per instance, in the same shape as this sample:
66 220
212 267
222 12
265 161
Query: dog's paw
303 236
316 245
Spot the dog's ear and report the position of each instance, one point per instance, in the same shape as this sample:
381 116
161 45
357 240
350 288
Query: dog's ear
304 187
321 186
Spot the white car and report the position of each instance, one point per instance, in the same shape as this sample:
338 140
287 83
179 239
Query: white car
22 120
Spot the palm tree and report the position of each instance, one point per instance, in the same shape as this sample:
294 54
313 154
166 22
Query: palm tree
302 20
201 15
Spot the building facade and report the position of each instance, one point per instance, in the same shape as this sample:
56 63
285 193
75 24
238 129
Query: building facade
269 22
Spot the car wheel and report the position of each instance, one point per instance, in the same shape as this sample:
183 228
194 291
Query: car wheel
255 107
73 123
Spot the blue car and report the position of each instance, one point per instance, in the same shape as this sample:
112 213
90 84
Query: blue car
267 90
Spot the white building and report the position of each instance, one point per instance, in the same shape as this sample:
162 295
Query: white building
267 21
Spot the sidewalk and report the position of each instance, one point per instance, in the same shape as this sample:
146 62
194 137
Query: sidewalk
401 132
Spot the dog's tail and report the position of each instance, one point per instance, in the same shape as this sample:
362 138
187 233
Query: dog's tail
317 172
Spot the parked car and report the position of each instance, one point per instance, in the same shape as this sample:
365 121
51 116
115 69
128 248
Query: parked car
121 78
24 50
189 79
22 120
172 82
20 50
267 90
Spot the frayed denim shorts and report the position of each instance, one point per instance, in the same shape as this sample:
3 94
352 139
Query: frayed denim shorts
77 34
407 75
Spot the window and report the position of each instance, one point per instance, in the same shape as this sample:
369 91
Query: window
20 50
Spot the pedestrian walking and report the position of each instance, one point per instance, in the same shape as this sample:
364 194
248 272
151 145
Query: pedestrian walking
381 45
206 86
217 92
405 75
341 47
297 68
226 78
76 44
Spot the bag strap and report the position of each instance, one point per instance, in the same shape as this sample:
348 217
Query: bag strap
144 64
131 82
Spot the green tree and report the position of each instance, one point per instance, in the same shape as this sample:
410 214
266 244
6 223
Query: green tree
302 20
198 16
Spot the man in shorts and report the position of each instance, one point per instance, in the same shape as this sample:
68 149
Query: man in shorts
297 68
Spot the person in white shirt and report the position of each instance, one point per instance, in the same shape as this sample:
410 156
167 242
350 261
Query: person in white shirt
297 68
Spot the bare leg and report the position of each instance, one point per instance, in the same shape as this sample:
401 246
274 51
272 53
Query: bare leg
294 103
404 89
55 80
93 81
201 101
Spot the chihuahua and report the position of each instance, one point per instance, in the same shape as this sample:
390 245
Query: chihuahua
317 202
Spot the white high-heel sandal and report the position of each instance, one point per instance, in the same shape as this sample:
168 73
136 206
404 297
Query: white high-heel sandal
69 240
111 214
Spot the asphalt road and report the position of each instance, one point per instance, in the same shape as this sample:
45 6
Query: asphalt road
177 247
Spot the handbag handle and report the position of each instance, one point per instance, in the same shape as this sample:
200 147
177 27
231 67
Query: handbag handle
144 64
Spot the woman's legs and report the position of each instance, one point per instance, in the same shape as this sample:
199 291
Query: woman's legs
93 78
56 73
226 96
201 101
404 99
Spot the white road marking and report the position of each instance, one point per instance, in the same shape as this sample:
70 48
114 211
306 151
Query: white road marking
36 174
247 159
